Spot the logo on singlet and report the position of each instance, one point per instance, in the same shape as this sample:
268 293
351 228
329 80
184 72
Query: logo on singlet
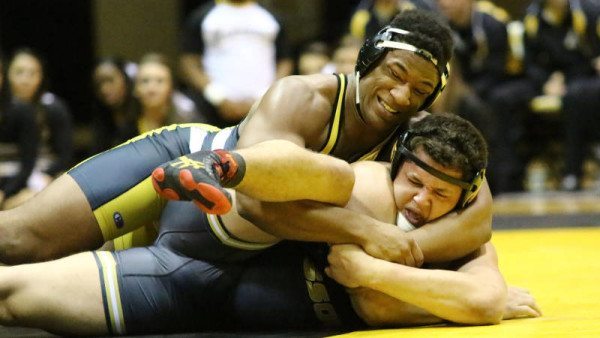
118 219
318 294
186 162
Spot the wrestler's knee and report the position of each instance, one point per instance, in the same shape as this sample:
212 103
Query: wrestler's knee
18 245
9 308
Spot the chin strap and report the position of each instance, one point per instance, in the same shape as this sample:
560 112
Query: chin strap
357 103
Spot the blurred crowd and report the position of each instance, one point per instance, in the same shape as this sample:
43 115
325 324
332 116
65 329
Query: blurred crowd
530 82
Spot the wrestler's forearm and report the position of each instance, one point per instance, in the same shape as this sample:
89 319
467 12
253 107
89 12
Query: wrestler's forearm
281 171
457 297
306 221
377 309
458 233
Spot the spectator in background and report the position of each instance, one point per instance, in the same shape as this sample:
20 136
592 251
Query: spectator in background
233 50
114 106
313 58
19 140
371 15
563 44
159 103
27 83
344 56
495 94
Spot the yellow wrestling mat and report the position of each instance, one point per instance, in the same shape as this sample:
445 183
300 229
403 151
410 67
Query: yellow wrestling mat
560 267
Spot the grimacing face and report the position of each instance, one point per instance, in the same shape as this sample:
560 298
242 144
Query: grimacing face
153 85
110 84
422 197
25 76
394 90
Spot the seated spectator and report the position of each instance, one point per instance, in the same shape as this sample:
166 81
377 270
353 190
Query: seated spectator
159 103
313 58
27 82
563 43
114 114
496 92
371 15
233 50
344 56
19 140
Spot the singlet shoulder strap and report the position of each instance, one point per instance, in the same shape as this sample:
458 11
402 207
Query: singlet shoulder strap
337 116
374 153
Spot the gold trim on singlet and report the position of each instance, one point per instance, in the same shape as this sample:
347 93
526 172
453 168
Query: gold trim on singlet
372 155
336 116
337 120
219 230
112 292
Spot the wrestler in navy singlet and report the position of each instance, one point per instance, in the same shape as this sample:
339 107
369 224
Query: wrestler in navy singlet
153 290
286 288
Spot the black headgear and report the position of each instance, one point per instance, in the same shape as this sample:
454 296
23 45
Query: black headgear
400 152
376 47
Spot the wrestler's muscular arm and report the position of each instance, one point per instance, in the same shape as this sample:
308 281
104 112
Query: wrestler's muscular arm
473 294
292 116
298 109
312 221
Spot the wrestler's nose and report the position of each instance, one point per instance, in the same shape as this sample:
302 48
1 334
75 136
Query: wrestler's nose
401 94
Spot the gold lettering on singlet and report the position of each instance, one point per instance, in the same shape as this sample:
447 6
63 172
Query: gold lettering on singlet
317 292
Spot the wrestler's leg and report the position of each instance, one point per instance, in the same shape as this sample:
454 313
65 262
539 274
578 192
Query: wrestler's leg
56 222
114 184
62 296
272 171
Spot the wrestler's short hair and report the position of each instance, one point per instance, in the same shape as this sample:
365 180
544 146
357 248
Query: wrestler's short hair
427 31
452 142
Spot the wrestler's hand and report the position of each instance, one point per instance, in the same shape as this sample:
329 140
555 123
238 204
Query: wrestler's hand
520 304
390 243
349 265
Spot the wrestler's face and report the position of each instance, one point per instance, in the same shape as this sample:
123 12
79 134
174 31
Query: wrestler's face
153 85
422 197
111 86
395 89
25 76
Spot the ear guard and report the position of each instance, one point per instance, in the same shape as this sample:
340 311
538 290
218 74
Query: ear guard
375 48
470 189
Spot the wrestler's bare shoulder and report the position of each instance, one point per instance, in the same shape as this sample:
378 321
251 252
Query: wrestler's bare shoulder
300 97
373 191
315 86
295 107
